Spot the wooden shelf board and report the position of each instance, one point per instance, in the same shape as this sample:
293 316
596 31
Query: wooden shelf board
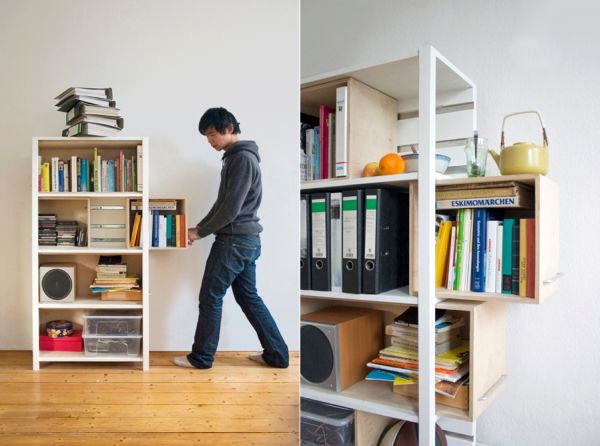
378 398
443 293
91 303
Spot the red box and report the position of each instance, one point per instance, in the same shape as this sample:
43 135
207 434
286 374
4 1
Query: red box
73 343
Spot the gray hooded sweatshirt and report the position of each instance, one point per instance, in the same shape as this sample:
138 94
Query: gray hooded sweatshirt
240 194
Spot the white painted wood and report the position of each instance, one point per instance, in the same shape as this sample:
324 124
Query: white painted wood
34 257
146 256
426 224
65 145
83 250
409 79
82 357
397 296
88 303
71 195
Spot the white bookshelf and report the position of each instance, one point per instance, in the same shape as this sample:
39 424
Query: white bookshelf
86 257
421 81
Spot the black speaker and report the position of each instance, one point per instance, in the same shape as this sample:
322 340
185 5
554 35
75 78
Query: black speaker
57 283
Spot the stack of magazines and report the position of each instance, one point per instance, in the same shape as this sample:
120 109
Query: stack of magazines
89 112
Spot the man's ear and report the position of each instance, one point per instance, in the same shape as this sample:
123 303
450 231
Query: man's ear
229 129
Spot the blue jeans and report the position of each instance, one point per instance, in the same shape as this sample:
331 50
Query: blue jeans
232 263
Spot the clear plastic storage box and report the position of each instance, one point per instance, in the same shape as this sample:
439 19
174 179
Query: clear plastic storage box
112 345
112 324
325 424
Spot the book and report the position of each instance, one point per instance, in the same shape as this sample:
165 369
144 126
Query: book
451 258
441 251
81 108
491 255
523 257
90 129
122 295
518 201
324 124
102 93
482 190
478 270
134 231
530 287
507 255
95 119
514 281
499 258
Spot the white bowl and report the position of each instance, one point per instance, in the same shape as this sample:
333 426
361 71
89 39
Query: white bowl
411 162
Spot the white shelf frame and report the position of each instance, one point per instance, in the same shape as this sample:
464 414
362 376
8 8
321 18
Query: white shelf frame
429 59
83 303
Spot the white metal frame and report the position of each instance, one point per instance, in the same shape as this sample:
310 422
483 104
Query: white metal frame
36 306
429 58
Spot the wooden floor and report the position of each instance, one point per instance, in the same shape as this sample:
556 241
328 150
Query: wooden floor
237 402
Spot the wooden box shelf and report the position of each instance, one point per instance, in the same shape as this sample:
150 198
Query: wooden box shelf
485 328
546 214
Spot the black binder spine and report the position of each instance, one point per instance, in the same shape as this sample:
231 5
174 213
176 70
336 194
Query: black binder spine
305 242
352 240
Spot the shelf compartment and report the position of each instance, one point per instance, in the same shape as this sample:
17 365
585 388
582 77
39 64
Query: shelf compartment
68 209
546 214
485 328
372 119
108 223
180 209
85 274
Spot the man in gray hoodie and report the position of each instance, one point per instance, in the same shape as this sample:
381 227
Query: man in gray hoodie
231 262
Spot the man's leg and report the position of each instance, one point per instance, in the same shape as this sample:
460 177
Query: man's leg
221 270
244 289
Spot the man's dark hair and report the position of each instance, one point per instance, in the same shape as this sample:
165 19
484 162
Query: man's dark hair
220 119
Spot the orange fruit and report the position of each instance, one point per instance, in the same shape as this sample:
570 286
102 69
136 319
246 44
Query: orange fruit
391 163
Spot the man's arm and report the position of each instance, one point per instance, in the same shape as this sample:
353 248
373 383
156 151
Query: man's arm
224 211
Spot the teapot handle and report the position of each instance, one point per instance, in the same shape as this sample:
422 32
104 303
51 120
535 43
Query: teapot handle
523 113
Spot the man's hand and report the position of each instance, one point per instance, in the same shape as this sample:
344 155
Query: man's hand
192 235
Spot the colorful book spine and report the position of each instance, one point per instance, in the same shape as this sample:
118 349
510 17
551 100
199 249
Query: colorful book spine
460 218
499 258
530 292
507 247
46 177
523 258
478 268
514 282
155 229
441 251
491 256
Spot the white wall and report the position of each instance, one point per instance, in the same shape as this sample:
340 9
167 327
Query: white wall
167 62
522 55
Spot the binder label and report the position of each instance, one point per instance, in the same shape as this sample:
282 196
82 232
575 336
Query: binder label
349 209
370 226
303 230
319 229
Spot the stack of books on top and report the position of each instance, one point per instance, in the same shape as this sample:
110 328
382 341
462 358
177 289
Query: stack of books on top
402 357
111 277
89 112
47 230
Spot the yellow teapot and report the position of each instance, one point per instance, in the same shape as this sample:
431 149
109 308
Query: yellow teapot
522 157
